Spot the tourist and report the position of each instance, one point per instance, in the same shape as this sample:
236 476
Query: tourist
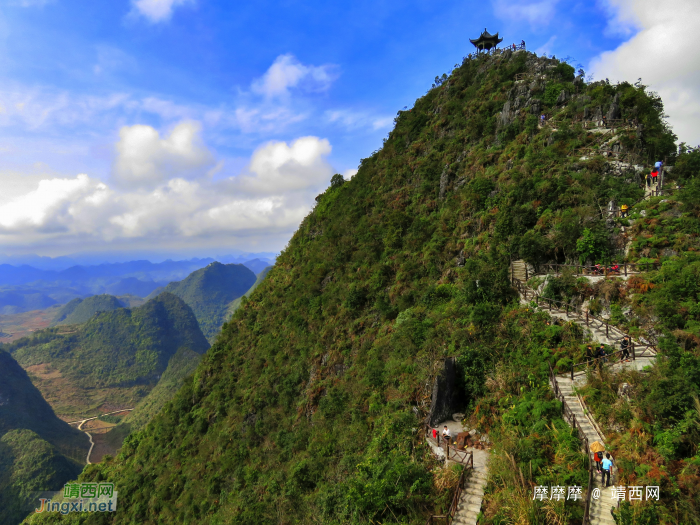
598 459
654 176
615 268
589 355
625 347
601 354
623 210
607 468
435 432
648 180
542 118
658 165
446 433
522 44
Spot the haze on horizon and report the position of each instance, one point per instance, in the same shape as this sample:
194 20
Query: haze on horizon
195 127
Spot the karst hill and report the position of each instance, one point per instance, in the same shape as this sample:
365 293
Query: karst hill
309 407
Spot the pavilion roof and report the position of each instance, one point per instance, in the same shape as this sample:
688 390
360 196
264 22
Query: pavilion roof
486 38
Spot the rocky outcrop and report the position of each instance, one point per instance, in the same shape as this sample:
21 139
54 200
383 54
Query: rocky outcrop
444 181
563 97
445 399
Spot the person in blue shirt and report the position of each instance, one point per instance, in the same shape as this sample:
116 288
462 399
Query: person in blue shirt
607 468
658 165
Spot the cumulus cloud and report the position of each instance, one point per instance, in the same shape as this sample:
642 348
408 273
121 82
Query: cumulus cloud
156 10
278 166
287 72
665 53
537 13
271 196
144 159
55 205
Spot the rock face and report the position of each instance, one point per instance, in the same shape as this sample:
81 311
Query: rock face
444 180
563 97
445 400
614 111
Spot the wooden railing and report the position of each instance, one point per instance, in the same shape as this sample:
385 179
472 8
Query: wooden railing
466 459
592 321
568 414
450 516
582 269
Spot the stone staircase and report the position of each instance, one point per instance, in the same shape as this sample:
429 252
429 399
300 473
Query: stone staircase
600 508
469 505
599 512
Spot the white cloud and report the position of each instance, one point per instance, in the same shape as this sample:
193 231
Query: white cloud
279 167
665 53
349 174
537 13
53 205
353 120
287 72
269 198
144 159
156 10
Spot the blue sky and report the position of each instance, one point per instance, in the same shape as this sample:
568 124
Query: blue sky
196 126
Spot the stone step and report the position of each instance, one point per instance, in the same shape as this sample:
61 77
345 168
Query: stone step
473 491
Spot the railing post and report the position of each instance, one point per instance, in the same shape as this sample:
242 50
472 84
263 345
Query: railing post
586 318
634 351
572 370
526 277
625 269
607 332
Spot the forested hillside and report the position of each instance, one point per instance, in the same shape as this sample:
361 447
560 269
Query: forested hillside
79 310
309 407
116 357
209 291
181 365
38 451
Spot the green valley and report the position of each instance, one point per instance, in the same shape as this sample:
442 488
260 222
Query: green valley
111 361
38 451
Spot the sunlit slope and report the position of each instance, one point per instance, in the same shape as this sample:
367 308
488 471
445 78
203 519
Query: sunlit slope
307 407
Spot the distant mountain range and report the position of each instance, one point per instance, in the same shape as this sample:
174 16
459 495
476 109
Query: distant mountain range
24 288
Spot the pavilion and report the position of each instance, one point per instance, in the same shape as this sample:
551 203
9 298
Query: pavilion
486 41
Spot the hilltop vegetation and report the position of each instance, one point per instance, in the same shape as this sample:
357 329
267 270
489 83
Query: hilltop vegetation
181 365
38 451
80 310
309 407
115 357
236 303
209 292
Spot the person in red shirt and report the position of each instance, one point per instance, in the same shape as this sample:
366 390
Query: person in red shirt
654 176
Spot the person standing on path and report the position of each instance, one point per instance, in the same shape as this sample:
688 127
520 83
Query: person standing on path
601 354
658 165
623 210
589 355
598 456
625 347
648 180
654 176
607 468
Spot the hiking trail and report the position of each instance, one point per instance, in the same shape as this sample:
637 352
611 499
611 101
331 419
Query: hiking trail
600 508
